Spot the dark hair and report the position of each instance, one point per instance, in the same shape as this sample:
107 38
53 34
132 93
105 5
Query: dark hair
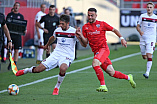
16 3
42 4
65 18
92 9
52 6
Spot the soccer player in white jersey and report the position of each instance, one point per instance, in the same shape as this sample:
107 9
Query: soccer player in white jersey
146 26
63 54
39 33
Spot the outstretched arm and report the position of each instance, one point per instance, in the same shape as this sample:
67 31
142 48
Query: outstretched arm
81 38
123 42
50 41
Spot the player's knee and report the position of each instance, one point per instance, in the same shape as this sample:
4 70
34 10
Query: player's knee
96 62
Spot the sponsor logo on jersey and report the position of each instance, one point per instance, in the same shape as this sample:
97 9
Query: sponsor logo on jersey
63 40
95 32
98 25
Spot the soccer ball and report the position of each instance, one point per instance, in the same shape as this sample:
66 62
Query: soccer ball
13 89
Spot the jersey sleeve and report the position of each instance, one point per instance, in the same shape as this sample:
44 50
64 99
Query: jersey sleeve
37 17
3 23
139 20
84 32
107 27
42 19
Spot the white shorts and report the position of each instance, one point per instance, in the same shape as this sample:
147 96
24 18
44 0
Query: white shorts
56 59
147 47
40 41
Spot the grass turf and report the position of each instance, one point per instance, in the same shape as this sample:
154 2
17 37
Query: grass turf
80 87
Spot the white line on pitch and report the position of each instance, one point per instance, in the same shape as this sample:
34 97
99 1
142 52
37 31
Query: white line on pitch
77 70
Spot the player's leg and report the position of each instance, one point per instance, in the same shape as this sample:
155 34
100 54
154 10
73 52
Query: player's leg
64 63
32 69
149 51
48 63
99 58
40 51
108 68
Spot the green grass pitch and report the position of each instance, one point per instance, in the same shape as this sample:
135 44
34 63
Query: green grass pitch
80 87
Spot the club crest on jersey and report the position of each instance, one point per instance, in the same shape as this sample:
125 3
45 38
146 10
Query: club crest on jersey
54 23
97 53
69 35
63 39
18 17
98 25
153 20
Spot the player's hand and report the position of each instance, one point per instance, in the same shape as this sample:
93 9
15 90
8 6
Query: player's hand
10 45
45 31
124 43
141 33
46 47
78 32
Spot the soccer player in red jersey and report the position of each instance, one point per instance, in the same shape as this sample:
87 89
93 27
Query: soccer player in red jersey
94 33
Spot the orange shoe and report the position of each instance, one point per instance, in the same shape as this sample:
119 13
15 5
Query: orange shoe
55 91
20 72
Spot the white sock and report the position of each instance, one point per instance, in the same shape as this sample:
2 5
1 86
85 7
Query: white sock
12 53
60 80
40 54
128 78
26 70
149 65
5 52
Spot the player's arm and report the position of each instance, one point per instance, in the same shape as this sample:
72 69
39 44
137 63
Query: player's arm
50 41
37 29
81 38
38 24
139 29
123 42
7 34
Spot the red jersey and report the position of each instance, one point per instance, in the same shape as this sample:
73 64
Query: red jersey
95 33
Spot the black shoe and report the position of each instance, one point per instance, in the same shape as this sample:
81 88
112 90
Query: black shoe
9 66
3 61
145 76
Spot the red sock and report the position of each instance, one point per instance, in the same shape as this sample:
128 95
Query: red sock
120 75
99 74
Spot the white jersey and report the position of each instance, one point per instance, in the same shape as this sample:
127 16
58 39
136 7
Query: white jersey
38 16
148 26
65 42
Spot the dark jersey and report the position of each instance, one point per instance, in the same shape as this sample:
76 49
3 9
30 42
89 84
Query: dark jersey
15 16
50 23
2 23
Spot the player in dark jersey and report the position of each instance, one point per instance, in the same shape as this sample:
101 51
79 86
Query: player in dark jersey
51 21
94 33
16 38
3 27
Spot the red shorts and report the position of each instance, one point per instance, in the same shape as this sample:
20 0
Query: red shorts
102 56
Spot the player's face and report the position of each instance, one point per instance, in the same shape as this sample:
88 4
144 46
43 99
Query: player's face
67 12
150 9
92 16
43 8
64 25
52 11
16 7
